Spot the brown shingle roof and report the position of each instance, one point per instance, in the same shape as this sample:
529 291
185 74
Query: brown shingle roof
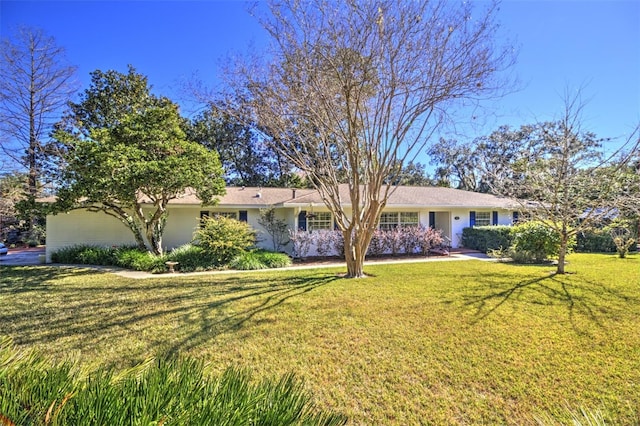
403 196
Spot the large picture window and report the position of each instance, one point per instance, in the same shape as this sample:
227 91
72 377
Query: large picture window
317 221
391 220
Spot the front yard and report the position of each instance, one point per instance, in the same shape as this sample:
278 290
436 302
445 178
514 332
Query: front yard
437 343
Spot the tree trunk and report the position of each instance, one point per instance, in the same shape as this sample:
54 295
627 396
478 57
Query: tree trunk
355 250
562 254
154 236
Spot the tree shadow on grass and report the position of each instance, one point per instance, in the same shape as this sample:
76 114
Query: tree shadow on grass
20 279
211 320
586 302
105 311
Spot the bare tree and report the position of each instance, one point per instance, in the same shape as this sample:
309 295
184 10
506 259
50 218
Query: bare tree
35 82
357 88
569 185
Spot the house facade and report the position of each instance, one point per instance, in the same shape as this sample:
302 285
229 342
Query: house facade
447 209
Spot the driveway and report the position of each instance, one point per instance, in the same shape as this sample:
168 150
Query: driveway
22 256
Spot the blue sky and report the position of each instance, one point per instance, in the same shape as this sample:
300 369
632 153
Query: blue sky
562 45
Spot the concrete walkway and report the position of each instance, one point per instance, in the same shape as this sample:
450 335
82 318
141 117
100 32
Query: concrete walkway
451 258
31 256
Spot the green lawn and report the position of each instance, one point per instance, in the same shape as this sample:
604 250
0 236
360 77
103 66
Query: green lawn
436 343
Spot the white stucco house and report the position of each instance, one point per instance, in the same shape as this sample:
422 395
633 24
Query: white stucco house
447 209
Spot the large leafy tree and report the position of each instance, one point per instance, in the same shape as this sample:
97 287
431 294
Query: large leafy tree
353 90
475 165
35 84
128 156
245 157
568 184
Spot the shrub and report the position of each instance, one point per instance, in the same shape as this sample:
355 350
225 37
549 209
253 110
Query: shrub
323 240
394 240
85 255
535 242
224 238
136 259
246 261
622 235
274 260
596 241
191 258
378 245
260 259
429 238
171 391
486 238
301 241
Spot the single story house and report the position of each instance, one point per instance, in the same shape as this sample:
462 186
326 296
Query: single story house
447 209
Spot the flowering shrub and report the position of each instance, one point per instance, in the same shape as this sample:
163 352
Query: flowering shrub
408 240
379 243
301 242
429 238
323 242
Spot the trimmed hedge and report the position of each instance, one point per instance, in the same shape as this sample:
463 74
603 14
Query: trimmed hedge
486 238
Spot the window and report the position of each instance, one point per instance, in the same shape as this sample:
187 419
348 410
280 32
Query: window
231 215
316 221
391 220
228 215
483 219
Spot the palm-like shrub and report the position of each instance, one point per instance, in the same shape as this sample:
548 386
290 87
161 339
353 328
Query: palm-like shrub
167 391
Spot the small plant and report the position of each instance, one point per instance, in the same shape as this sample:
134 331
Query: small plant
260 259
247 261
274 260
224 238
276 228
622 237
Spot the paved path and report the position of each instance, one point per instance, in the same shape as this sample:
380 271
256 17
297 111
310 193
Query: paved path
452 257
22 257
31 256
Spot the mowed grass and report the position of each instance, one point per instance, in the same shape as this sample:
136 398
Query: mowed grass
432 343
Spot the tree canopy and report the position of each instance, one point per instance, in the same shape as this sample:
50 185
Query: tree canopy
564 180
128 156
35 84
246 158
355 89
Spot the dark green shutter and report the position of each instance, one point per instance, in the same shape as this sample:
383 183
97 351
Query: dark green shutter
302 220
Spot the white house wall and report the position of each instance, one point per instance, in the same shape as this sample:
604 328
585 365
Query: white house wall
83 227
87 228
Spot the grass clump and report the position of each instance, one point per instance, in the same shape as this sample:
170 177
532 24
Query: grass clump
260 259
168 391
191 258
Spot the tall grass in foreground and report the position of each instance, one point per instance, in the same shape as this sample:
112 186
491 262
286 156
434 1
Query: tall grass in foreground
167 391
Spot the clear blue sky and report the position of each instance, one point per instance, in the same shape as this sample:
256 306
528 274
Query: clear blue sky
562 44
